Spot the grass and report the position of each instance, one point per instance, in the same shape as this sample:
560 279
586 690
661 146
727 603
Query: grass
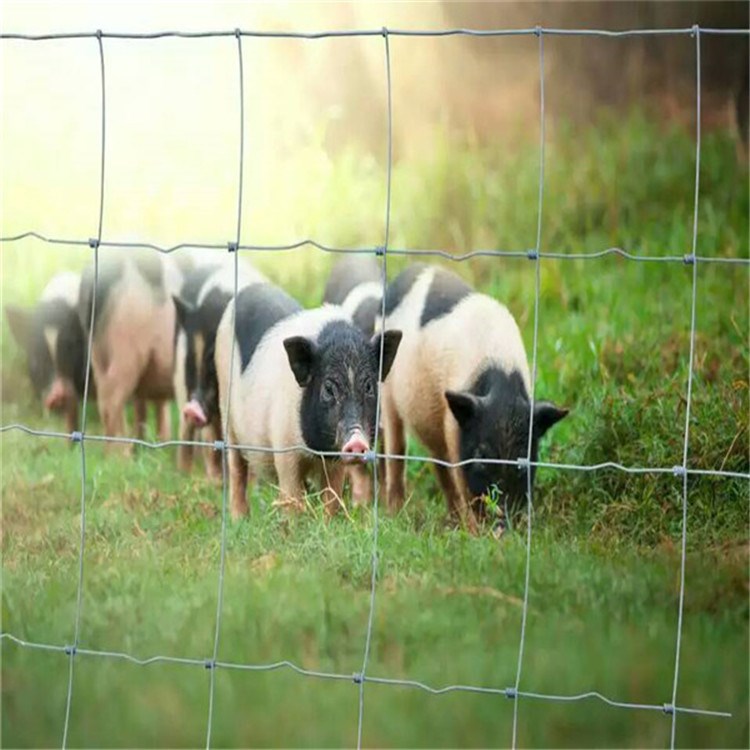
604 586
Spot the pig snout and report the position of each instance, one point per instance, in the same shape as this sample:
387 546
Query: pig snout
193 412
58 396
355 446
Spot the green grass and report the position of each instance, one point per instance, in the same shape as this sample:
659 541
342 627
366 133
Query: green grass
604 586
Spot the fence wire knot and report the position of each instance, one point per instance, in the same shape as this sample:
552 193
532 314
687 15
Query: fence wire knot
511 693
76 436
679 471
689 259
532 254
232 246
219 445
522 463
209 664
71 650
93 243
668 709
537 30
358 678
369 457
237 33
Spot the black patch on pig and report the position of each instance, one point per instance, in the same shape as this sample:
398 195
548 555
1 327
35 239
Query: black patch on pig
259 307
367 310
207 318
493 416
348 273
401 285
445 292
194 281
192 284
69 357
72 346
151 268
339 373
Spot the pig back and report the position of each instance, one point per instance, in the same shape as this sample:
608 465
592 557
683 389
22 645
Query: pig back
134 316
348 273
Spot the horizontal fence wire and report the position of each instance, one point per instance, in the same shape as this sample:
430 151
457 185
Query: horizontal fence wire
684 471
378 250
531 31
352 677
520 462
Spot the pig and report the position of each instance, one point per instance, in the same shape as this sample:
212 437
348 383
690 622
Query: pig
299 378
203 297
133 333
356 283
55 344
461 384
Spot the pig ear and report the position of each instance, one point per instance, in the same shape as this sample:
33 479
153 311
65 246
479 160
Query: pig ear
182 307
391 340
19 321
546 414
464 405
301 353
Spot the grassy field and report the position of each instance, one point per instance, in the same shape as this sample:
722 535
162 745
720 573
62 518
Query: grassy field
613 345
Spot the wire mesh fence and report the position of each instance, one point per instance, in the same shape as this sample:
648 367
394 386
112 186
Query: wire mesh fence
682 472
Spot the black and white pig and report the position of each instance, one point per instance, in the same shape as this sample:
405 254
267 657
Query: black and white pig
203 298
55 344
461 384
356 283
299 378
132 350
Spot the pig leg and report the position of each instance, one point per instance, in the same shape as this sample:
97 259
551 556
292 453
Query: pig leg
457 505
71 415
212 457
116 382
112 395
451 480
238 475
163 420
139 408
185 452
361 484
395 444
291 481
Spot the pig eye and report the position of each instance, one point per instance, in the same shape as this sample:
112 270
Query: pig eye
329 390
369 388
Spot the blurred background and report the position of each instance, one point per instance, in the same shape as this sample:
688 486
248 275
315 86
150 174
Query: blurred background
316 115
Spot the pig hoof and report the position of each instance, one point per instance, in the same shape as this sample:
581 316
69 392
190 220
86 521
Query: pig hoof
239 509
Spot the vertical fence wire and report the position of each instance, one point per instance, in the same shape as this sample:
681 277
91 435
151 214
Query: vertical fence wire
234 249
94 243
376 479
681 605
537 285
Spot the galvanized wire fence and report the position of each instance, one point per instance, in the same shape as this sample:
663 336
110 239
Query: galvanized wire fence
535 254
